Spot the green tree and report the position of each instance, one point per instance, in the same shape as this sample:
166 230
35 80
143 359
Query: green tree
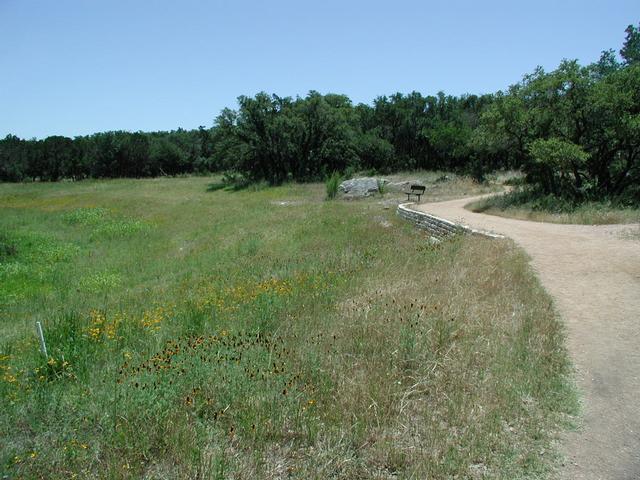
630 50
557 166
13 159
59 157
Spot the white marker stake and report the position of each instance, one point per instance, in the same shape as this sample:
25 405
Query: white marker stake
43 346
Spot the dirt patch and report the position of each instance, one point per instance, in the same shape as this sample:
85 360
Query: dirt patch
593 275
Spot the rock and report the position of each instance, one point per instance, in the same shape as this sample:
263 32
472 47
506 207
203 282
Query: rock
398 186
360 187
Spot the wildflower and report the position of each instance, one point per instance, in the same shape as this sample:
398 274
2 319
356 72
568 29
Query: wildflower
94 333
151 319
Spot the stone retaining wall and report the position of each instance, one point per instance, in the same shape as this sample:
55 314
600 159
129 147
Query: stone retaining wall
436 226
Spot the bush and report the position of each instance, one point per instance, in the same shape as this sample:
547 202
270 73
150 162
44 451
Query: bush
528 198
332 185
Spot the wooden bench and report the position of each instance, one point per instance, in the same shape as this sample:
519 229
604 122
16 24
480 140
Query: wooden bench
416 190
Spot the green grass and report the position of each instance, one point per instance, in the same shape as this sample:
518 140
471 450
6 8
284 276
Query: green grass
265 334
523 205
331 185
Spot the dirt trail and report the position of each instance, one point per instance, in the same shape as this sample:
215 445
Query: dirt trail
593 275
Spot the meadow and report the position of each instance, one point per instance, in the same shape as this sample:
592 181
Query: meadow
266 333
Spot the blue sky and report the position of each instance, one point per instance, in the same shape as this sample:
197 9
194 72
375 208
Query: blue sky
78 67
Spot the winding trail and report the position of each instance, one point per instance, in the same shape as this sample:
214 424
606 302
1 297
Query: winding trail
593 275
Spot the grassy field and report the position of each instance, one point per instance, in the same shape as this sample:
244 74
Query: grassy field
516 205
265 334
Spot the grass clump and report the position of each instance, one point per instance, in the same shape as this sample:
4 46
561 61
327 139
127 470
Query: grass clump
526 204
332 184
104 223
100 281
119 228
30 262
86 216
8 248
259 344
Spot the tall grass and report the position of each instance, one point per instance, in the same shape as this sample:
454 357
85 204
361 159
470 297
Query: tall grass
244 338
332 184
529 205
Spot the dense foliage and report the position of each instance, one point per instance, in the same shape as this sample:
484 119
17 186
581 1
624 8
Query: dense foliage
102 155
574 131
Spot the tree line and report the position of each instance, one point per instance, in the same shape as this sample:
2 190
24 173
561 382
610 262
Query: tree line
106 155
574 131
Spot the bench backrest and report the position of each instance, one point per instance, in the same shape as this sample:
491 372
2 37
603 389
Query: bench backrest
418 188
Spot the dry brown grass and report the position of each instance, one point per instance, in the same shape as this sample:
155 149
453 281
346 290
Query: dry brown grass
443 186
447 364
439 364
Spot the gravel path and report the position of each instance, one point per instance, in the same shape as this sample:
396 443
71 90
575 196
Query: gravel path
593 275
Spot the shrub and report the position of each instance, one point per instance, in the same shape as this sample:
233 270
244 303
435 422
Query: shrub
528 198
